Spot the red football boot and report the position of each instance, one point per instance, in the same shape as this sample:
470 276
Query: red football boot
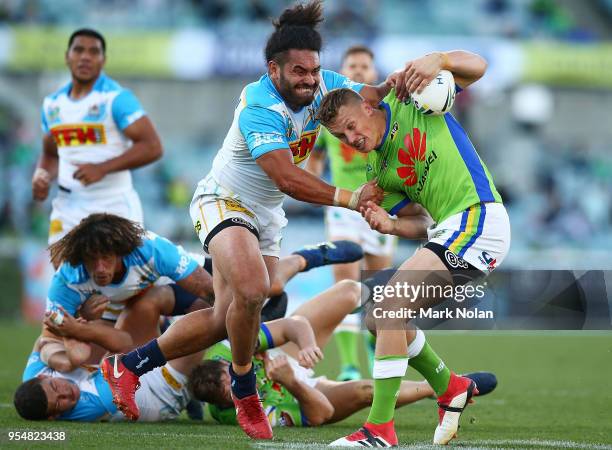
370 435
450 406
252 418
123 384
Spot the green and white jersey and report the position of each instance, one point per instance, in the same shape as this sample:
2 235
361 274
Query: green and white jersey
429 160
347 165
281 407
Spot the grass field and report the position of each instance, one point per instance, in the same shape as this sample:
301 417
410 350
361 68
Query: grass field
555 391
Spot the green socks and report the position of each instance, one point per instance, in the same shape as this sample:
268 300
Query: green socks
388 372
429 364
347 342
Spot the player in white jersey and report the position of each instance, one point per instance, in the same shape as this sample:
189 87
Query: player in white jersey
95 131
237 209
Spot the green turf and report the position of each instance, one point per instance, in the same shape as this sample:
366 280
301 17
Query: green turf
554 392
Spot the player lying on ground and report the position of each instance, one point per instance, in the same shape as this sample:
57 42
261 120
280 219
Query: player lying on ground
83 394
422 161
237 208
291 395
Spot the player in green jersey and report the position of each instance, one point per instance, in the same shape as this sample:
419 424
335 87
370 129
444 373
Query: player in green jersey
348 171
421 162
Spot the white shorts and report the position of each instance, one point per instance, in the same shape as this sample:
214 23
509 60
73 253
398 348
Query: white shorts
212 205
480 235
163 394
69 209
302 374
344 223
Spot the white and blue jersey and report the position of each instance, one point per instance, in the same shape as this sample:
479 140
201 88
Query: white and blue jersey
89 130
157 257
263 123
96 399
163 392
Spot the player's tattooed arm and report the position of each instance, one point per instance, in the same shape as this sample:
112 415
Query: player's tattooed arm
304 186
146 148
411 223
199 283
46 169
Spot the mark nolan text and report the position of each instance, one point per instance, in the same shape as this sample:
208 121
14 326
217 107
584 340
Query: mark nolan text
457 313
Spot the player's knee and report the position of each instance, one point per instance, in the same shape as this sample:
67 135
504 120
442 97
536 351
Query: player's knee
321 416
351 291
251 295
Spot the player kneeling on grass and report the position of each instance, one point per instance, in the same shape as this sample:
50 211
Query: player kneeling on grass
107 262
290 393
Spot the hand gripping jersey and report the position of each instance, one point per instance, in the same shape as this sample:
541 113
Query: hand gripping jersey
264 123
347 165
281 407
89 130
429 160
157 257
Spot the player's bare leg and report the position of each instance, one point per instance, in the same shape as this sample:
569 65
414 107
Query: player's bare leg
241 268
288 267
326 310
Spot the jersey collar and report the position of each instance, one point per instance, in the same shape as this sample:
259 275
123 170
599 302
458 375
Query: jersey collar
388 122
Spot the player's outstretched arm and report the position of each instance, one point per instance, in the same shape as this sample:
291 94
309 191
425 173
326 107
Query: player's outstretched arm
146 148
304 186
411 223
297 329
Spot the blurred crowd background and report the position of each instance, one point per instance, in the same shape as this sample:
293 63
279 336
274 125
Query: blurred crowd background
540 118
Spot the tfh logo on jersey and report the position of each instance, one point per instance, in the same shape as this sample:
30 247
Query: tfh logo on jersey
79 134
303 146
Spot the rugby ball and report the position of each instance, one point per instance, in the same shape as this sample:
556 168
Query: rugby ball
438 96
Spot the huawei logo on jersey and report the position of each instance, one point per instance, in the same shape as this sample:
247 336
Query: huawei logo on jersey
79 134
303 146
416 146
